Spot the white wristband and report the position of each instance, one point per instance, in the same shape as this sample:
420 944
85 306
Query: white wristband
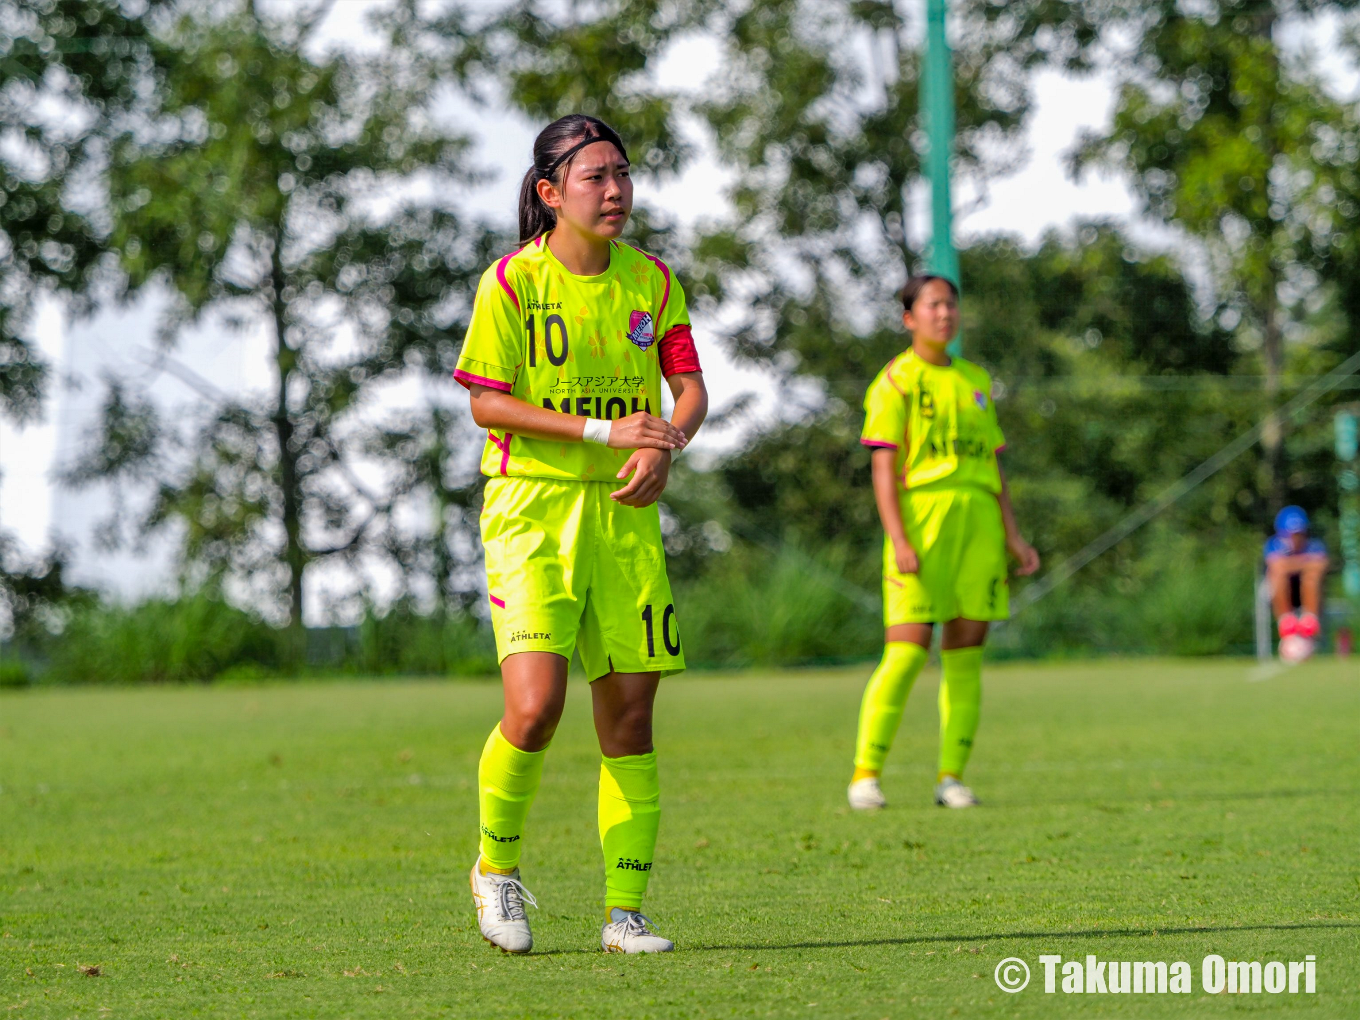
597 431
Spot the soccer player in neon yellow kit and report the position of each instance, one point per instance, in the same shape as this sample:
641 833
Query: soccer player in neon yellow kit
570 338
948 525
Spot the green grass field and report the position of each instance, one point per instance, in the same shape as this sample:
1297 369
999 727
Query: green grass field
301 850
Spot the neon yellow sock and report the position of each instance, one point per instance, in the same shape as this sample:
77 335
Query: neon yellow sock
630 812
960 706
885 697
507 779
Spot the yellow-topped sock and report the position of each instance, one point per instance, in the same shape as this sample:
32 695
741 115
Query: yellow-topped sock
960 707
630 813
864 774
507 779
885 698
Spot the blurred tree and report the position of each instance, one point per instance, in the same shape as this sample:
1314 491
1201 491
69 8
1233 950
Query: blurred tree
312 196
1220 131
68 69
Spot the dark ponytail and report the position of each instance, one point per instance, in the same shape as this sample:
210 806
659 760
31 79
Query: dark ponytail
554 149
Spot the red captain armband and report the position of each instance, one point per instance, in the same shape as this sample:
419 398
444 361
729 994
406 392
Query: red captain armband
677 351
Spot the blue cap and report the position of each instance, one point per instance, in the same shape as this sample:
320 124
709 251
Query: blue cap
1291 521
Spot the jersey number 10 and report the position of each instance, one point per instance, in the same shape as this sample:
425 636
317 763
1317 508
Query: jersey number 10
666 617
551 322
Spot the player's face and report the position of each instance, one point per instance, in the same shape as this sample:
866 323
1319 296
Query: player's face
1297 540
934 318
596 198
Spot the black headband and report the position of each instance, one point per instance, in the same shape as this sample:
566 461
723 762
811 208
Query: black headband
588 140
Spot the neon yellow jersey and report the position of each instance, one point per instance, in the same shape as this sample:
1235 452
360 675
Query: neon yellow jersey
596 346
940 420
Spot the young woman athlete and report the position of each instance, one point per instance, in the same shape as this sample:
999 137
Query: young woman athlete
570 339
948 525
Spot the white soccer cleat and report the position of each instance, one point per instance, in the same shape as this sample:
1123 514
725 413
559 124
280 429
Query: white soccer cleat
500 900
953 794
866 795
629 932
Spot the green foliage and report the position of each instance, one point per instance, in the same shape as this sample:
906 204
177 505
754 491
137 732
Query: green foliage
1226 137
289 850
14 673
157 641
84 58
249 186
403 641
199 638
760 607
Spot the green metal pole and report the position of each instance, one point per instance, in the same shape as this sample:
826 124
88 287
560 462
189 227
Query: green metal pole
1348 481
937 110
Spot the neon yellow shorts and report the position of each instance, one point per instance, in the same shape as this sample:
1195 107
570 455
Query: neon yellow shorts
568 568
961 544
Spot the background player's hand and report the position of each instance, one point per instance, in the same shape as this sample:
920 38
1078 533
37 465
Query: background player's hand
645 431
650 469
1025 554
907 560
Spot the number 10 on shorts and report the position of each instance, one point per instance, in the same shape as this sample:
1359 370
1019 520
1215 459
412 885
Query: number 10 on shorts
667 616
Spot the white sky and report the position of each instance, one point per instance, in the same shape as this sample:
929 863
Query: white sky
1036 198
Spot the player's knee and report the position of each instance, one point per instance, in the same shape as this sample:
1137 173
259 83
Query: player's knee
531 723
633 728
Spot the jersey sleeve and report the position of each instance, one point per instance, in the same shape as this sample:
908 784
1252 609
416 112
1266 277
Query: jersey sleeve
885 414
491 349
676 346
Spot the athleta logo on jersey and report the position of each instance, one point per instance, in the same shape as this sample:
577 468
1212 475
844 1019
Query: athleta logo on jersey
641 329
632 864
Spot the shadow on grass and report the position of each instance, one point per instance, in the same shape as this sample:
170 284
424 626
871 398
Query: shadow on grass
995 936
1001 936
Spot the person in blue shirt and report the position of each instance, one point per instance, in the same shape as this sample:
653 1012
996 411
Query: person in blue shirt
1295 567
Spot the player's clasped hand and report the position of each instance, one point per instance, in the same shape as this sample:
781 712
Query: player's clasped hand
1025 554
907 560
650 469
642 430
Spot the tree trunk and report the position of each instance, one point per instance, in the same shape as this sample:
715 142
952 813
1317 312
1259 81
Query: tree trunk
285 361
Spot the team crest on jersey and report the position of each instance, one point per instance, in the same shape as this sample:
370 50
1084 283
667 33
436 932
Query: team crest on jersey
980 399
640 329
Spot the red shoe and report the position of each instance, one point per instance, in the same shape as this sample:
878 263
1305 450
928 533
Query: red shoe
1289 624
1308 625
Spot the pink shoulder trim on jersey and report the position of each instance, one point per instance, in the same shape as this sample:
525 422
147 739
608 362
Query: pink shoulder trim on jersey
500 276
878 444
887 372
499 603
467 379
999 448
678 353
665 272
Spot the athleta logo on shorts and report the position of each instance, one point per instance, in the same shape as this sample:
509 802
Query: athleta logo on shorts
632 864
499 839
530 635
641 330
